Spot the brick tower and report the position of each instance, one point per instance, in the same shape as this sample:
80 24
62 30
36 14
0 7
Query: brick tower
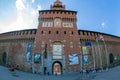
57 41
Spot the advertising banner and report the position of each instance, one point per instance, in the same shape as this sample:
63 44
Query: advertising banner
84 49
85 55
28 52
73 59
37 58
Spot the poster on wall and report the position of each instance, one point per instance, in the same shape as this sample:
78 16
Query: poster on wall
84 50
73 59
28 52
57 51
85 55
85 59
37 58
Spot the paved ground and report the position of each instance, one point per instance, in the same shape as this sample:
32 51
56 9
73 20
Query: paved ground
6 75
112 74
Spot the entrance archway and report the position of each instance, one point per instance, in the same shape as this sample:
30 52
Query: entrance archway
57 68
111 57
4 58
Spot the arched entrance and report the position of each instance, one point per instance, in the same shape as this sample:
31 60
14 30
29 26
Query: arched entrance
111 57
4 58
57 68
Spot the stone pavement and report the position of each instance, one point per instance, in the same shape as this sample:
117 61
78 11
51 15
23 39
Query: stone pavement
112 74
5 74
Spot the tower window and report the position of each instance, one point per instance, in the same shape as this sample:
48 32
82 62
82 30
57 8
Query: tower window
72 33
57 32
41 32
64 32
49 32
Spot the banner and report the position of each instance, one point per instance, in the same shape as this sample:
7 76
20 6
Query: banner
28 52
96 39
37 58
85 55
88 44
84 49
73 59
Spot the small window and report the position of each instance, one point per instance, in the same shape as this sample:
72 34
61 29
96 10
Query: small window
41 32
49 32
72 33
64 32
57 32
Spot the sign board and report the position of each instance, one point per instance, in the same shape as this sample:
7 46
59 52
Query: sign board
73 59
85 55
84 49
85 59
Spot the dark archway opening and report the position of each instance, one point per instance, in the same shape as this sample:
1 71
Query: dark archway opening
4 58
57 68
111 57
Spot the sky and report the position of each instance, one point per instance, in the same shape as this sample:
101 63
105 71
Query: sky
93 15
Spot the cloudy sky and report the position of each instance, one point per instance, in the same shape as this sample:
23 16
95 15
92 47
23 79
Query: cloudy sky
94 15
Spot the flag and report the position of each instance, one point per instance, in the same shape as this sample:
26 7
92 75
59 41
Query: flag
101 37
96 39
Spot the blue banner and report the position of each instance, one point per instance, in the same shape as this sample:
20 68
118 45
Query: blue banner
37 58
28 52
85 56
73 59
88 44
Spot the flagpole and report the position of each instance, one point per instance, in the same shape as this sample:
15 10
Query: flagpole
93 57
107 58
106 55
81 59
100 56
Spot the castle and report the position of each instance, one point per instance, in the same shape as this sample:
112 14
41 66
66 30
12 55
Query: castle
57 46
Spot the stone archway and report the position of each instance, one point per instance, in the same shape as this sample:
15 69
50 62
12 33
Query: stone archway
57 68
4 58
111 58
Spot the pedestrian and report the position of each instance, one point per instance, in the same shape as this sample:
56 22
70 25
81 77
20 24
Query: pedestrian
48 73
55 73
12 69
